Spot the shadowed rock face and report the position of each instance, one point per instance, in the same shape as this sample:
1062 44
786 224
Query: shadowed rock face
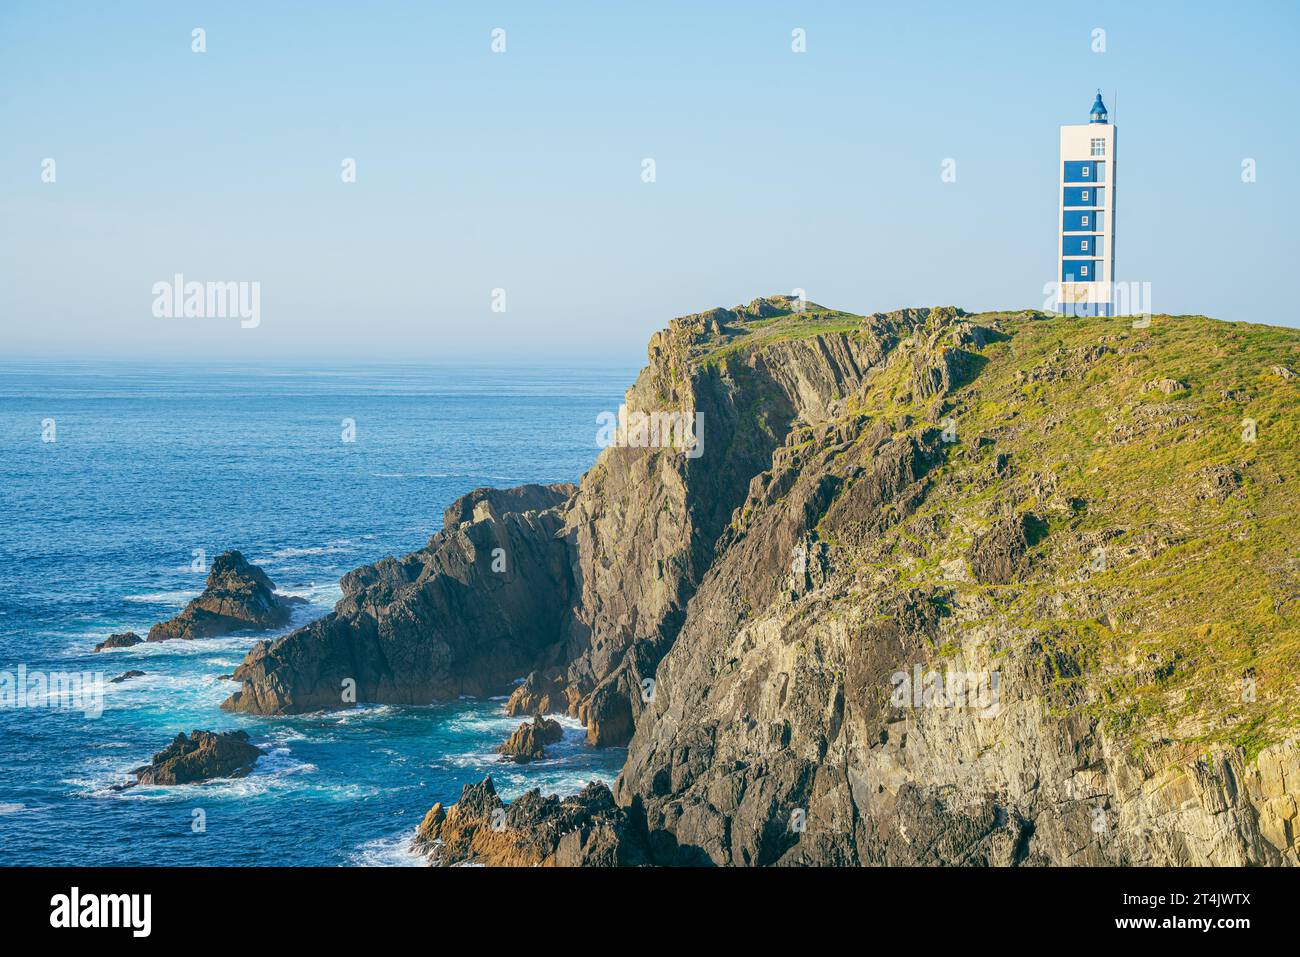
238 597
996 557
467 614
200 757
644 526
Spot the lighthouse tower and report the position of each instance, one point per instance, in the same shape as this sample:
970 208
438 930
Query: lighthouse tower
1085 248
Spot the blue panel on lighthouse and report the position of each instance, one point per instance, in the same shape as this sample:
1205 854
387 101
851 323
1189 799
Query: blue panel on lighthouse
1080 171
1080 220
1078 270
1078 245
1081 196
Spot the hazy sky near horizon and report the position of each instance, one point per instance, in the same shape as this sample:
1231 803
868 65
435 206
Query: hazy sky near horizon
523 170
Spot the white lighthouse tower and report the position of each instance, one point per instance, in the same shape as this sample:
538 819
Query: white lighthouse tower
1085 245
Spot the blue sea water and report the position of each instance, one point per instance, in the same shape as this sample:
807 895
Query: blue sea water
98 533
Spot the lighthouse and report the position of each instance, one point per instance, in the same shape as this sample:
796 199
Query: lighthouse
1085 246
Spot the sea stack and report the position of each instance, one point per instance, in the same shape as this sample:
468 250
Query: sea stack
238 597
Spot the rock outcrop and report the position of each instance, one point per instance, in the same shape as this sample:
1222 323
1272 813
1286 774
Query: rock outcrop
126 676
200 757
238 597
646 521
587 829
123 640
528 743
467 614
541 692
935 588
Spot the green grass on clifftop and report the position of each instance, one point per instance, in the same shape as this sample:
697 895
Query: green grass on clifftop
1170 559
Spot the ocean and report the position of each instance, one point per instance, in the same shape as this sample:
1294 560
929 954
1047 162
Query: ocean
115 477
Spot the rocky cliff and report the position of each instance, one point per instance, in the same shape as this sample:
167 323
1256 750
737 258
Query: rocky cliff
465 615
932 588
1009 604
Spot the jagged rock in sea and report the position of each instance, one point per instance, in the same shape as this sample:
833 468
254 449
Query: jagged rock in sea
126 676
541 692
238 597
529 740
587 829
200 757
465 615
939 589
123 640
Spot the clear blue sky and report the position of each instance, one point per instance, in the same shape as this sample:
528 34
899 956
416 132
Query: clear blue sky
522 170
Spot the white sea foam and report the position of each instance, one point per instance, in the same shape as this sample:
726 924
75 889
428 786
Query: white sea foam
164 597
198 647
441 475
293 734
365 712
512 784
12 808
277 771
403 475
302 552
392 851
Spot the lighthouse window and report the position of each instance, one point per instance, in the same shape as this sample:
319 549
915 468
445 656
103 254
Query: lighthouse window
1086 171
1085 195
1083 244
1083 270
1084 219
1099 147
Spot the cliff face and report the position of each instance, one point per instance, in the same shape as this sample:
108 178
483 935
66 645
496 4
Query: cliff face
998 608
644 525
935 588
